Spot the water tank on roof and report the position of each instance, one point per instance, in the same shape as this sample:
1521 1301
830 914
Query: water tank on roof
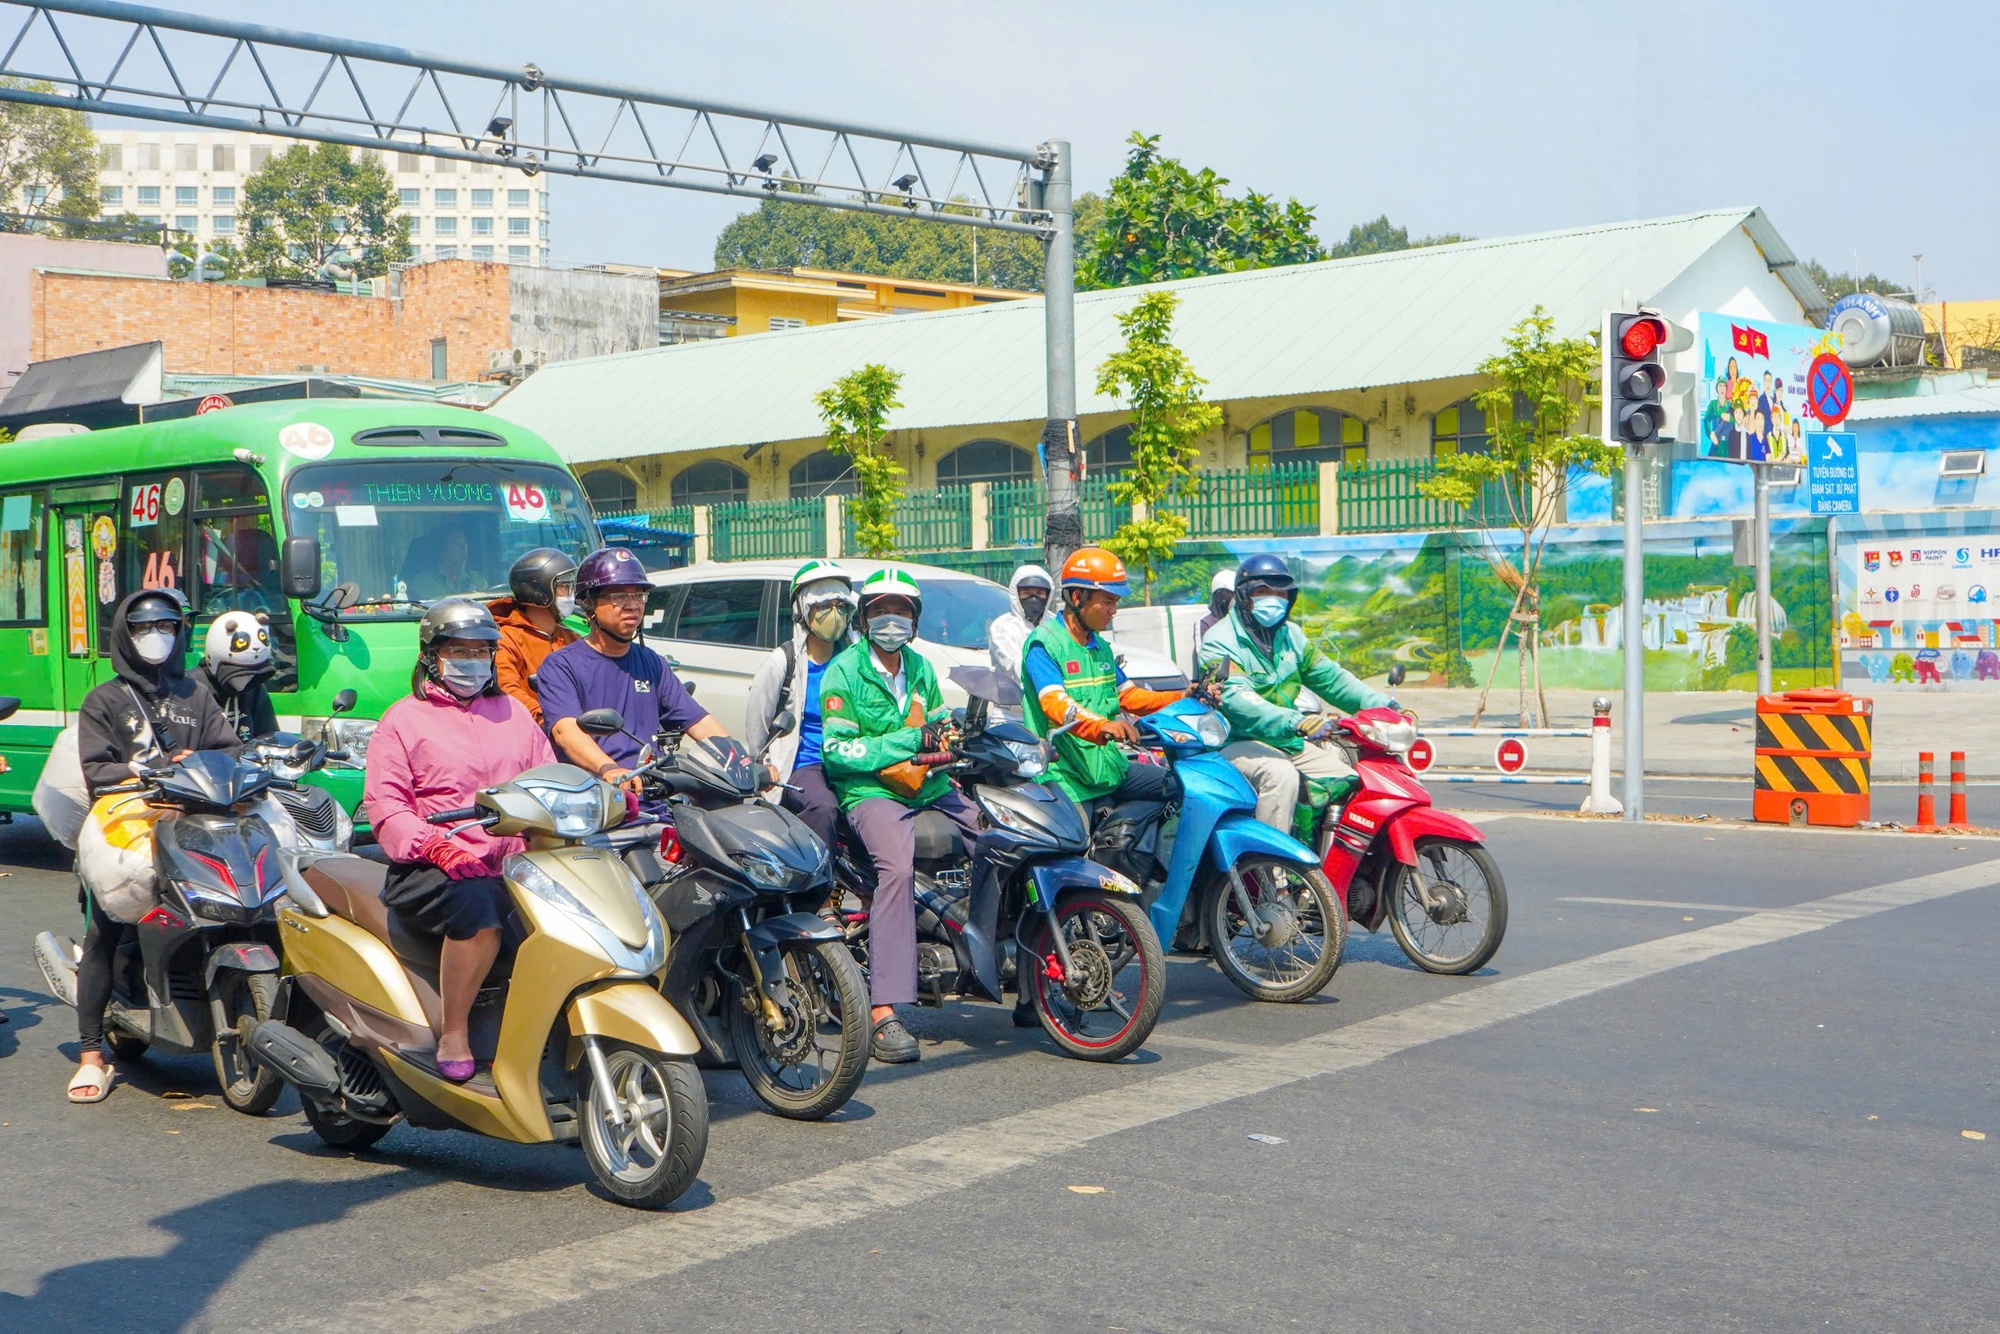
1877 330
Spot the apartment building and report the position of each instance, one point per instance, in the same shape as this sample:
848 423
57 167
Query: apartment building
193 183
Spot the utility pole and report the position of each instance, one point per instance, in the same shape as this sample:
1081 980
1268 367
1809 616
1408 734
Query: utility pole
1063 532
1760 543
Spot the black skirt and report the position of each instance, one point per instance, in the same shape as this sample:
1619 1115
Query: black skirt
432 903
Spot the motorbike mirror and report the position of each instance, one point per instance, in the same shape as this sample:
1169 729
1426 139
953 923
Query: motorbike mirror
783 724
602 722
9 706
344 701
1396 673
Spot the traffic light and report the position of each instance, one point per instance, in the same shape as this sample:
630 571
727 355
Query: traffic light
1636 378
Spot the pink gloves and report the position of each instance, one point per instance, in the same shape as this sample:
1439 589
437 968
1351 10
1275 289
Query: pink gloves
453 858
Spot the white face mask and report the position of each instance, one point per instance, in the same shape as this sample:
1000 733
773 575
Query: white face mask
565 607
890 633
465 677
154 646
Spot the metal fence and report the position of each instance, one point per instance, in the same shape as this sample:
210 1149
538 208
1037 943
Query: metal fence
1016 512
767 530
1266 502
925 521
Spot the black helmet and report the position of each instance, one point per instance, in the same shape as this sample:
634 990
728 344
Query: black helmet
455 618
535 576
156 604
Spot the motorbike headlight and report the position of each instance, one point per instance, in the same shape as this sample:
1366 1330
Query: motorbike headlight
1007 817
762 870
577 813
349 734
1212 728
521 870
1031 759
1392 737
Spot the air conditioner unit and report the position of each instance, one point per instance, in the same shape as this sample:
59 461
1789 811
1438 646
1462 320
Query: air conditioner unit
1962 463
511 359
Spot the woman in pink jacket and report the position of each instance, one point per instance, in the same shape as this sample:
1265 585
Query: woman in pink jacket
432 752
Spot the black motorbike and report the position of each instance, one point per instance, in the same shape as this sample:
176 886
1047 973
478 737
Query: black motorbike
1027 911
766 984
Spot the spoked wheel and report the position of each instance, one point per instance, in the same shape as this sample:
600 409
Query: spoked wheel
809 1066
240 1002
1449 911
1287 943
645 1127
1105 1004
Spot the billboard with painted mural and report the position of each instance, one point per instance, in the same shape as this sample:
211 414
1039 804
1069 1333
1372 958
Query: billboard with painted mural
1753 387
1917 600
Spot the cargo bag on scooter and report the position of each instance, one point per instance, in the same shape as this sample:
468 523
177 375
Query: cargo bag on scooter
114 856
62 801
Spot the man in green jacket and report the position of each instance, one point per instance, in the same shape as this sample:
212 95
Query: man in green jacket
881 707
1276 744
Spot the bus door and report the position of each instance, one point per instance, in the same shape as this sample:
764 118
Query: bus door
85 543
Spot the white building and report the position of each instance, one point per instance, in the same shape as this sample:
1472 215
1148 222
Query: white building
193 183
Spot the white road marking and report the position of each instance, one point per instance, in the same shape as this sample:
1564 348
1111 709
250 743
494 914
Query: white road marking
667 1244
1660 903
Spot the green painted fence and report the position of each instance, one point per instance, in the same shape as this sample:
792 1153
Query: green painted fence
767 530
925 521
1267 502
1015 512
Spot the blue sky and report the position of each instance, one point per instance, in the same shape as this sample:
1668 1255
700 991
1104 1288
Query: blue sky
1860 128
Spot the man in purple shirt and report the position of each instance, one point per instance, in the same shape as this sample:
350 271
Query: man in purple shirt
607 670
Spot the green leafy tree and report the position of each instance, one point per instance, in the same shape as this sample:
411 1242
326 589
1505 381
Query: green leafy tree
1382 236
1169 418
48 163
1537 390
224 259
1162 220
315 203
1837 285
855 410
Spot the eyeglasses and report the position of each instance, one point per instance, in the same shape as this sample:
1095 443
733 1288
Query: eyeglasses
465 652
566 588
623 601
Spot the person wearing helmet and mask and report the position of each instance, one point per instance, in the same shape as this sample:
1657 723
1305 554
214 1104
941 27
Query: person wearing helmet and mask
790 679
883 707
543 582
149 713
1274 743
607 669
1007 636
1221 592
454 734
235 664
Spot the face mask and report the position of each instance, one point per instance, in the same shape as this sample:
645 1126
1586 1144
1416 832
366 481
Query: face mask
828 623
890 633
1218 602
565 608
1270 612
1033 605
465 677
154 646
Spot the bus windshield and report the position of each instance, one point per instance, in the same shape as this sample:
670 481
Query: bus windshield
406 532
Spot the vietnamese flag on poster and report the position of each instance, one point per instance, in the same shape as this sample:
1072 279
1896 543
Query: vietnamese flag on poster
1750 342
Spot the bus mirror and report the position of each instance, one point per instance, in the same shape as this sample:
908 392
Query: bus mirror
344 701
299 570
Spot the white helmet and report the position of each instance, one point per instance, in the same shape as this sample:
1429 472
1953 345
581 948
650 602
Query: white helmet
237 639
1224 582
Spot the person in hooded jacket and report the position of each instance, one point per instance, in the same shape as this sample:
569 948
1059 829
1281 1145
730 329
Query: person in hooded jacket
1007 637
543 583
789 679
149 713
1275 744
235 664
1221 592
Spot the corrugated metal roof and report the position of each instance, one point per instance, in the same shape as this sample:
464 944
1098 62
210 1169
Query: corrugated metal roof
1399 318
1958 403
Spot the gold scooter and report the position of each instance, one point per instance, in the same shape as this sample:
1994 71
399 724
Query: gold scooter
573 1037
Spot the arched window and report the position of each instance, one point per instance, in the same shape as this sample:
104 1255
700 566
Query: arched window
1310 435
1459 429
610 491
710 482
985 461
823 474
1110 452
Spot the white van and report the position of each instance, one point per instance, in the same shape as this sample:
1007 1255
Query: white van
719 620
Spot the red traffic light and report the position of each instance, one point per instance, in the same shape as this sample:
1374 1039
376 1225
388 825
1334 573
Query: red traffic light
1642 335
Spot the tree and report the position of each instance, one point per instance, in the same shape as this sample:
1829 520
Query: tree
1837 285
1538 387
225 260
312 204
48 162
1381 236
1162 221
1169 417
856 412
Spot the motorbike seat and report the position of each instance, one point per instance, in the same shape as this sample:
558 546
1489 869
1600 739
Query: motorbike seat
351 888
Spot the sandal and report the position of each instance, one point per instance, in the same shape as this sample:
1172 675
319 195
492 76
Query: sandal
91 1084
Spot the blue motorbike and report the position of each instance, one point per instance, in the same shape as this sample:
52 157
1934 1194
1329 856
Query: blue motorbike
1212 876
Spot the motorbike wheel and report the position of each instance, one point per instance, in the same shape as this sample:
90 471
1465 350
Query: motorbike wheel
125 1047
1461 929
810 1070
243 1000
646 1134
1293 946
1105 1010
341 1131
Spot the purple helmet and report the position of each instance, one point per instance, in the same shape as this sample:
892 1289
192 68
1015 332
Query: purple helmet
609 567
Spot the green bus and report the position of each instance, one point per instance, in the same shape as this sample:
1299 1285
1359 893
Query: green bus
339 519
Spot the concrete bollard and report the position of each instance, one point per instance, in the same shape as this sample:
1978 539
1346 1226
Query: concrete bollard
1957 818
1926 802
1600 801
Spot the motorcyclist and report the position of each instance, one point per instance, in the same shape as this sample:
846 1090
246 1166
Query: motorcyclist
235 664
1007 636
1221 590
1276 744
455 734
149 713
791 677
543 583
883 707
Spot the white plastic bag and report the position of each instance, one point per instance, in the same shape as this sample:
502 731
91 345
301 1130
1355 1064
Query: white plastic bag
114 856
62 802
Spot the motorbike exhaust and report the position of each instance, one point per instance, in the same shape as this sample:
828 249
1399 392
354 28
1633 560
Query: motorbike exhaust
296 1059
58 968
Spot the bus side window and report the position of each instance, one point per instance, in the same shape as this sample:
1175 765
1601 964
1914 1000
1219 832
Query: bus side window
236 552
152 533
22 581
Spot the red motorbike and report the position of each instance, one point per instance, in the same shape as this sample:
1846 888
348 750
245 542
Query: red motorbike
1391 854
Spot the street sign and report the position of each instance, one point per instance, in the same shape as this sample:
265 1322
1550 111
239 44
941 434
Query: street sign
1510 756
1833 473
1830 388
1421 755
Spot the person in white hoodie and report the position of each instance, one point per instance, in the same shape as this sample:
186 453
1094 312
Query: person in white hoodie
1007 636
822 625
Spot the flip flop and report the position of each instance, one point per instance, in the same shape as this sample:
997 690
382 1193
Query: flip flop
91 1084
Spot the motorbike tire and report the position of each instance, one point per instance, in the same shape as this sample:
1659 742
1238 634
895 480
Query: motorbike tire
337 1130
644 1167
125 1047
1219 914
247 1087
1054 1006
829 962
1403 896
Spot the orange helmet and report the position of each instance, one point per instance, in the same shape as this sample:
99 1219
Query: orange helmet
1094 567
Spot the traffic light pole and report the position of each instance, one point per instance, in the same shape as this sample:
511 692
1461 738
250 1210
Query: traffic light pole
1633 619
1760 541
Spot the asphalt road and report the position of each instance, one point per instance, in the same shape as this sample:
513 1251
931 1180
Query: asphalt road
1733 1096
1723 798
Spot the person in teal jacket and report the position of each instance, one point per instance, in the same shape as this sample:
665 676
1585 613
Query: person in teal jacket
1274 743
